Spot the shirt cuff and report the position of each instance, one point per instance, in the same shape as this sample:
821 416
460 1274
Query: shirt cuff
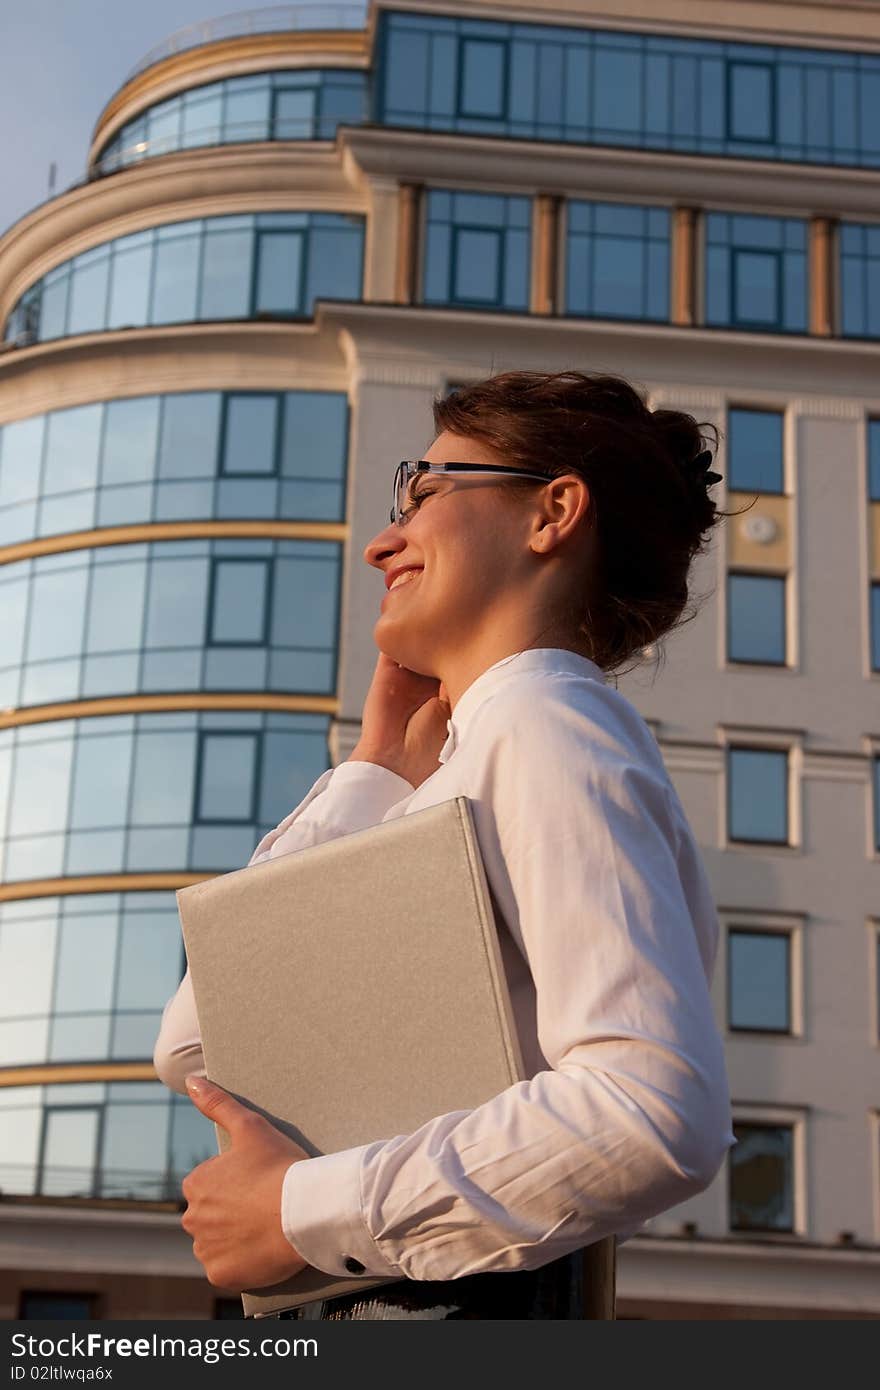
375 782
321 1216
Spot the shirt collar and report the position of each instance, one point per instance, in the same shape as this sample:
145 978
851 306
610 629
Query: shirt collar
549 659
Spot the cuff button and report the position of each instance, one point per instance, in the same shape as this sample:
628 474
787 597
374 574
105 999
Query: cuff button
354 1266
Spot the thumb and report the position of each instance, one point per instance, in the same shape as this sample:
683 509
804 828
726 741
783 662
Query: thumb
218 1105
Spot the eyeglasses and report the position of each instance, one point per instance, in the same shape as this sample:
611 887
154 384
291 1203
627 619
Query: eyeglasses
411 468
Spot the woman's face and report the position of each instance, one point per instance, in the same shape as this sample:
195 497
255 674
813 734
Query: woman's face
470 549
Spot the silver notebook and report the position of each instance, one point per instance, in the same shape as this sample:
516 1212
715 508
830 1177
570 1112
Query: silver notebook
353 991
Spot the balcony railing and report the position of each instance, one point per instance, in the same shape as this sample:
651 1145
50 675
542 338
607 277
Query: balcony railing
276 19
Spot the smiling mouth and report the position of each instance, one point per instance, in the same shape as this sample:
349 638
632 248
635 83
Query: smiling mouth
407 577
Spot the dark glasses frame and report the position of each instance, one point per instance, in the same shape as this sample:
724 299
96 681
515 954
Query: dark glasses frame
407 469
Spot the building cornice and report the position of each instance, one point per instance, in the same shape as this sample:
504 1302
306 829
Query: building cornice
420 345
273 176
238 355
594 171
743 1272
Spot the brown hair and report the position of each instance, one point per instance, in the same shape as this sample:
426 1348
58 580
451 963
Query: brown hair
652 516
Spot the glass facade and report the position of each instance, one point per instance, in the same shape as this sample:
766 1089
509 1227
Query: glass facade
757 804
617 260
184 790
756 272
643 91
122 1139
756 618
758 981
477 250
755 450
859 279
86 977
258 265
762 1178
192 456
171 615
304 104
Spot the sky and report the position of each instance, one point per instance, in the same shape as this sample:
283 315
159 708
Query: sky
60 62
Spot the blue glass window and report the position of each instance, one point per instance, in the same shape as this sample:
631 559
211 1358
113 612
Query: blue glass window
304 105
762 1178
214 268
239 603
226 787
750 101
756 618
250 438
171 615
757 805
477 250
859 279
755 450
647 91
86 977
165 458
119 794
121 1139
617 261
875 626
756 272
482 68
758 981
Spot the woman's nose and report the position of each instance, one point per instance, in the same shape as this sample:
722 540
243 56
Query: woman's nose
386 543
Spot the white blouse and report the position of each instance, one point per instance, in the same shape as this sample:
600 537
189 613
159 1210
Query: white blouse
608 938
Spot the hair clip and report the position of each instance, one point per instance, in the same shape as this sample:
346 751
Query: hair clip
700 465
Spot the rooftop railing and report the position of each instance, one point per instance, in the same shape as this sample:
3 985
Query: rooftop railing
276 19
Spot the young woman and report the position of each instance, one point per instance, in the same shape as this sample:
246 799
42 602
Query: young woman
542 544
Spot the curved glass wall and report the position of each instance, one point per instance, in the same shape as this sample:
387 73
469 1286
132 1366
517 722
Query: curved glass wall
306 104
257 265
645 91
195 455
86 977
123 1139
149 792
170 615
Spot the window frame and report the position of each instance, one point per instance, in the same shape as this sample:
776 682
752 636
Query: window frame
731 65
738 928
202 735
226 398
773 1117
465 40
738 572
739 744
214 563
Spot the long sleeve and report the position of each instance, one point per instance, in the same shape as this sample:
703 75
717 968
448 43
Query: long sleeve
344 799
581 838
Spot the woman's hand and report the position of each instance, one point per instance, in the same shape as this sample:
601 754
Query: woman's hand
404 722
234 1200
